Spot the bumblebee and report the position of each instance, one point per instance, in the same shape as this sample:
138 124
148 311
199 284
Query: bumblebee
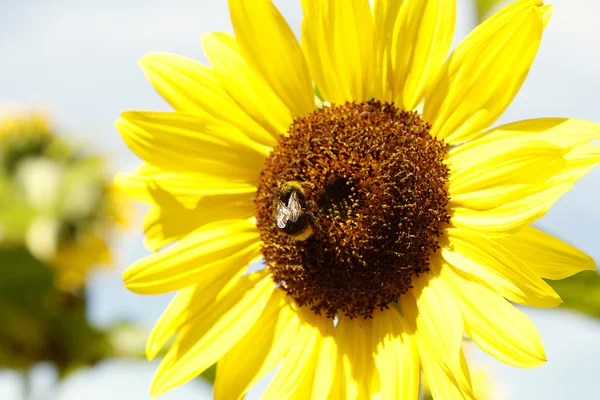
293 214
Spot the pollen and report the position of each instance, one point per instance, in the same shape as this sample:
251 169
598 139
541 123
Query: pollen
375 185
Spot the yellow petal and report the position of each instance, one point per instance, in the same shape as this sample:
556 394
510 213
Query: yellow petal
576 163
148 184
270 338
338 43
338 379
396 356
422 37
494 324
203 341
546 13
170 220
384 15
488 198
481 257
579 161
482 76
250 92
547 256
525 162
187 304
541 146
355 350
489 176
205 254
170 321
441 382
193 88
316 49
432 313
186 84
326 364
163 226
510 217
563 132
178 141
270 48
294 378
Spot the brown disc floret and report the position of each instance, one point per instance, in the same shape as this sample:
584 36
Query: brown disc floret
373 182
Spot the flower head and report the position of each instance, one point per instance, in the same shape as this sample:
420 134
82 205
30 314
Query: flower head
359 166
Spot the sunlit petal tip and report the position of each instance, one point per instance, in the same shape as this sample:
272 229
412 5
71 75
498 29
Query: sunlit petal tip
125 129
131 277
537 358
131 115
148 58
543 360
128 274
552 299
145 60
546 13
549 257
156 63
152 351
590 265
153 60
119 123
158 387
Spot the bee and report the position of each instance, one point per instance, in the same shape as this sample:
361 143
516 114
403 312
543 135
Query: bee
293 214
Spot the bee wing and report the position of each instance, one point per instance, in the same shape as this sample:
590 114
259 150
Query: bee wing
294 207
282 215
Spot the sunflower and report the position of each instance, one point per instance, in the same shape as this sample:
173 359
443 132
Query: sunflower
359 165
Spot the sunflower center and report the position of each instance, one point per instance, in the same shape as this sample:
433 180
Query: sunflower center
351 205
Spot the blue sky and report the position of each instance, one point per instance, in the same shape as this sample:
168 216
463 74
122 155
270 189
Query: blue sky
80 60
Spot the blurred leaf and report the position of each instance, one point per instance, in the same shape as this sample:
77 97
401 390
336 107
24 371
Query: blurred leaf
14 222
128 340
40 323
15 213
581 292
210 374
485 6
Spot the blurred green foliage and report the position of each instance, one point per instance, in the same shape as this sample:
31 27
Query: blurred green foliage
41 175
210 374
484 7
580 292
55 216
39 323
